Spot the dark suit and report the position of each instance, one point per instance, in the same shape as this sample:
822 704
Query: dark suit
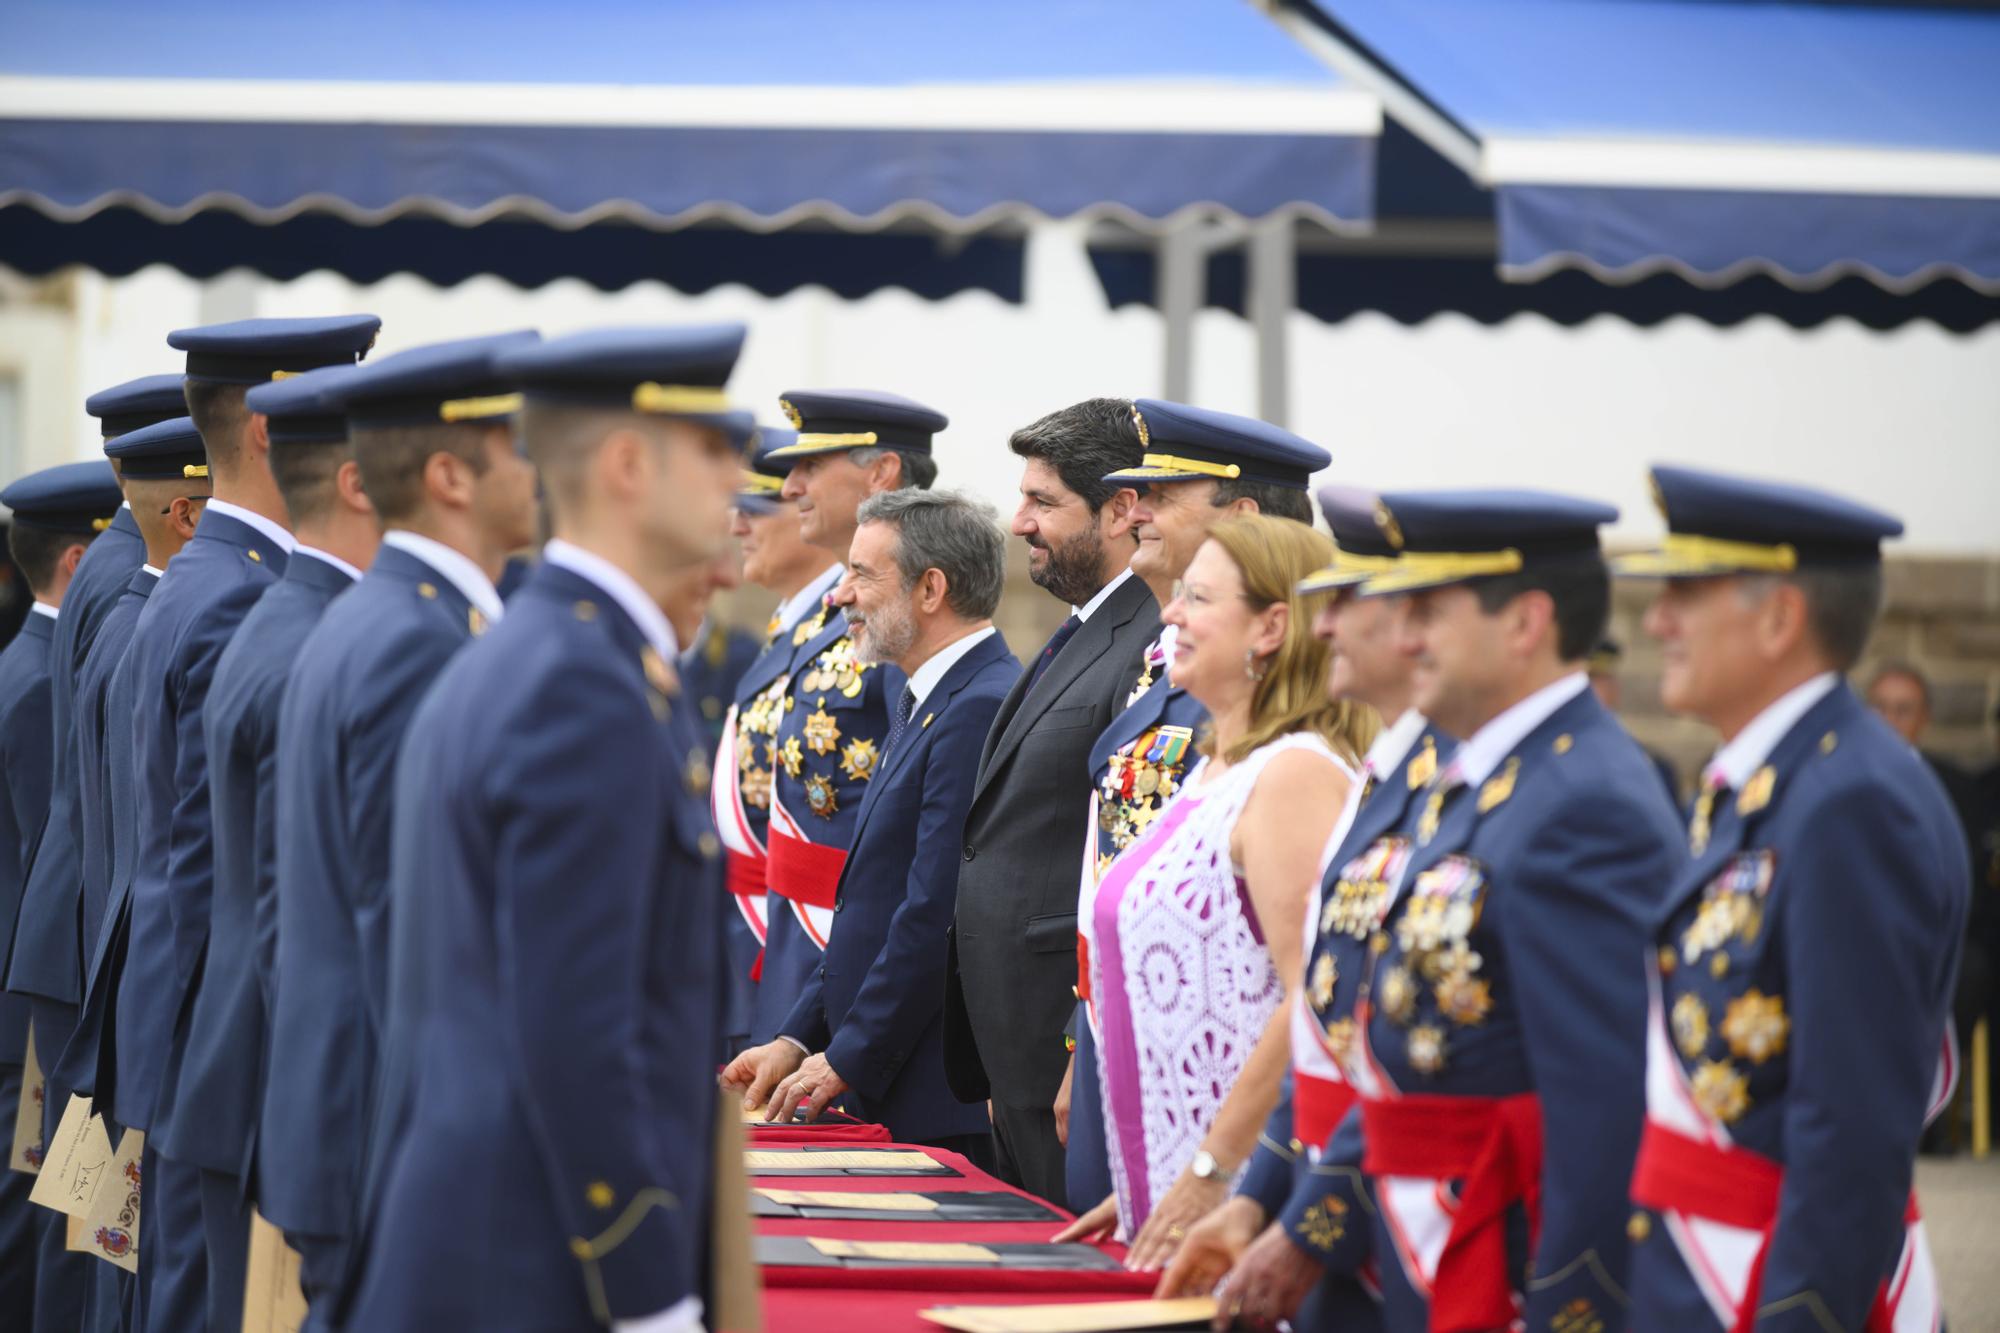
181 632
1806 965
1023 850
551 1069
359 677
875 1006
26 743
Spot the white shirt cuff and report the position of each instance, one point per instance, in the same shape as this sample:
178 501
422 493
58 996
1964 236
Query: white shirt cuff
683 1316
803 1050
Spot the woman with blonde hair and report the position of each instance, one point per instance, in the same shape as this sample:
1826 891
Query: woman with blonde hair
1196 928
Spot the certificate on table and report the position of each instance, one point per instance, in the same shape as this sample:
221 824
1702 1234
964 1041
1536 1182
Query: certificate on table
843 1162
863 1206
837 1252
1188 1312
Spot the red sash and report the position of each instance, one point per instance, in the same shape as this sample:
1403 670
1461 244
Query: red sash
1318 1107
746 875
1734 1186
805 872
1494 1144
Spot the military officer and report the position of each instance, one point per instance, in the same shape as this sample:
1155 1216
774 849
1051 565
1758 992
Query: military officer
850 445
333 524
1309 1219
923 578
776 558
432 436
1802 968
1200 467
58 513
553 949
238 551
163 469
1495 1042
45 962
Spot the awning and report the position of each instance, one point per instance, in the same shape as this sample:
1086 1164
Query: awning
860 116
1710 138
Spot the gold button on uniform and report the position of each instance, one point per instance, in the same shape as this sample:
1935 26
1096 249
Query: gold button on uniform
1640 1227
585 611
580 1247
427 590
256 557
599 1194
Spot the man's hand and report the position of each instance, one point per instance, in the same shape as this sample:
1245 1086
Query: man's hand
1062 1102
1269 1283
760 1069
812 1088
1212 1247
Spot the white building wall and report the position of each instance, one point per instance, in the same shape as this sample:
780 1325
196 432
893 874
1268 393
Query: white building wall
1909 419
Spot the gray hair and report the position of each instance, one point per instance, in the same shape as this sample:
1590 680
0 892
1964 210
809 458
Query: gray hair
951 533
1842 605
919 470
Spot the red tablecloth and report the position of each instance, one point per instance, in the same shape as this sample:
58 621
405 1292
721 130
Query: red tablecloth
831 1300
801 1136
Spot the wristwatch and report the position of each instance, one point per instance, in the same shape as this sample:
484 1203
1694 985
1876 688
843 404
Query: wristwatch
1204 1166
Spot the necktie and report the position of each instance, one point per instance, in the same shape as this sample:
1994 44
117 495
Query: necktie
904 707
1062 636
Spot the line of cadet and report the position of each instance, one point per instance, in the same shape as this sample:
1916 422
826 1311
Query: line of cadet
348 893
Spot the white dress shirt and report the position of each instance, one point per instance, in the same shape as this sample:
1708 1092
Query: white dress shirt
328 557
42 609
1737 762
925 678
455 567
274 532
801 603
621 588
1483 751
1084 612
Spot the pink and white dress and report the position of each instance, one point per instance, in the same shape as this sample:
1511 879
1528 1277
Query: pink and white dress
1182 979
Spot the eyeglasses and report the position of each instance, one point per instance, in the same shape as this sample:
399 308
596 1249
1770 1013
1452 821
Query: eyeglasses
1183 591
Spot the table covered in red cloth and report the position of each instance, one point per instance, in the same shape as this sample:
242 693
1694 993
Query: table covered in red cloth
875 1300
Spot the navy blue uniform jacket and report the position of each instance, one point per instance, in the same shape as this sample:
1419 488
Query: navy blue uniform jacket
552 1053
361 673
876 1003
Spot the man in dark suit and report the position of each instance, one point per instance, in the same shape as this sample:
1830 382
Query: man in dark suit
165 503
432 435
551 1066
237 553
58 512
219 1092
922 580
1025 833
1801 966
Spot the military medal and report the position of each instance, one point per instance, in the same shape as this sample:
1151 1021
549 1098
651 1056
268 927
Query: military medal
858 760
1755 1026
1757 791
822 733
1424 766
821 798
1498 787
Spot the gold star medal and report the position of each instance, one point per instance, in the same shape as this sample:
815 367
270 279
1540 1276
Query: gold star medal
822 732
858 760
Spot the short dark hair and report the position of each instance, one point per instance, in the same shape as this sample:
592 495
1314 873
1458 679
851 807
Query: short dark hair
219 413
392 461
1842 606
919 470
1908 671
1580 589
37 551
1276 501
305 475
1084 442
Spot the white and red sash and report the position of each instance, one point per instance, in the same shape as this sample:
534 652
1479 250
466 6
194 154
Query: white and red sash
1720 1201
746 857
803 872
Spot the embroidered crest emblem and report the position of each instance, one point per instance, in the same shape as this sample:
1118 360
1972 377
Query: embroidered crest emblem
858 760
791 414
1498 787
1755 1026
115 1241
1322 1225
1757 791
821 798
822 733
1425 765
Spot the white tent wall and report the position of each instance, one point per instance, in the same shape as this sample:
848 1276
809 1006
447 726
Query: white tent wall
1906 418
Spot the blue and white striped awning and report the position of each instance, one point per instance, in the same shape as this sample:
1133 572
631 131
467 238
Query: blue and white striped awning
668 113
1712 138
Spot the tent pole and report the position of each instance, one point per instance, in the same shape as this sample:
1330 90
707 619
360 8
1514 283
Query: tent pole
1273 292
1183 269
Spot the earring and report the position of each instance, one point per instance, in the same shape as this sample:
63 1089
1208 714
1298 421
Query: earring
1252 667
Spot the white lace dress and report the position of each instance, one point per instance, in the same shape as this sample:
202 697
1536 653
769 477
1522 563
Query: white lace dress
1183 980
